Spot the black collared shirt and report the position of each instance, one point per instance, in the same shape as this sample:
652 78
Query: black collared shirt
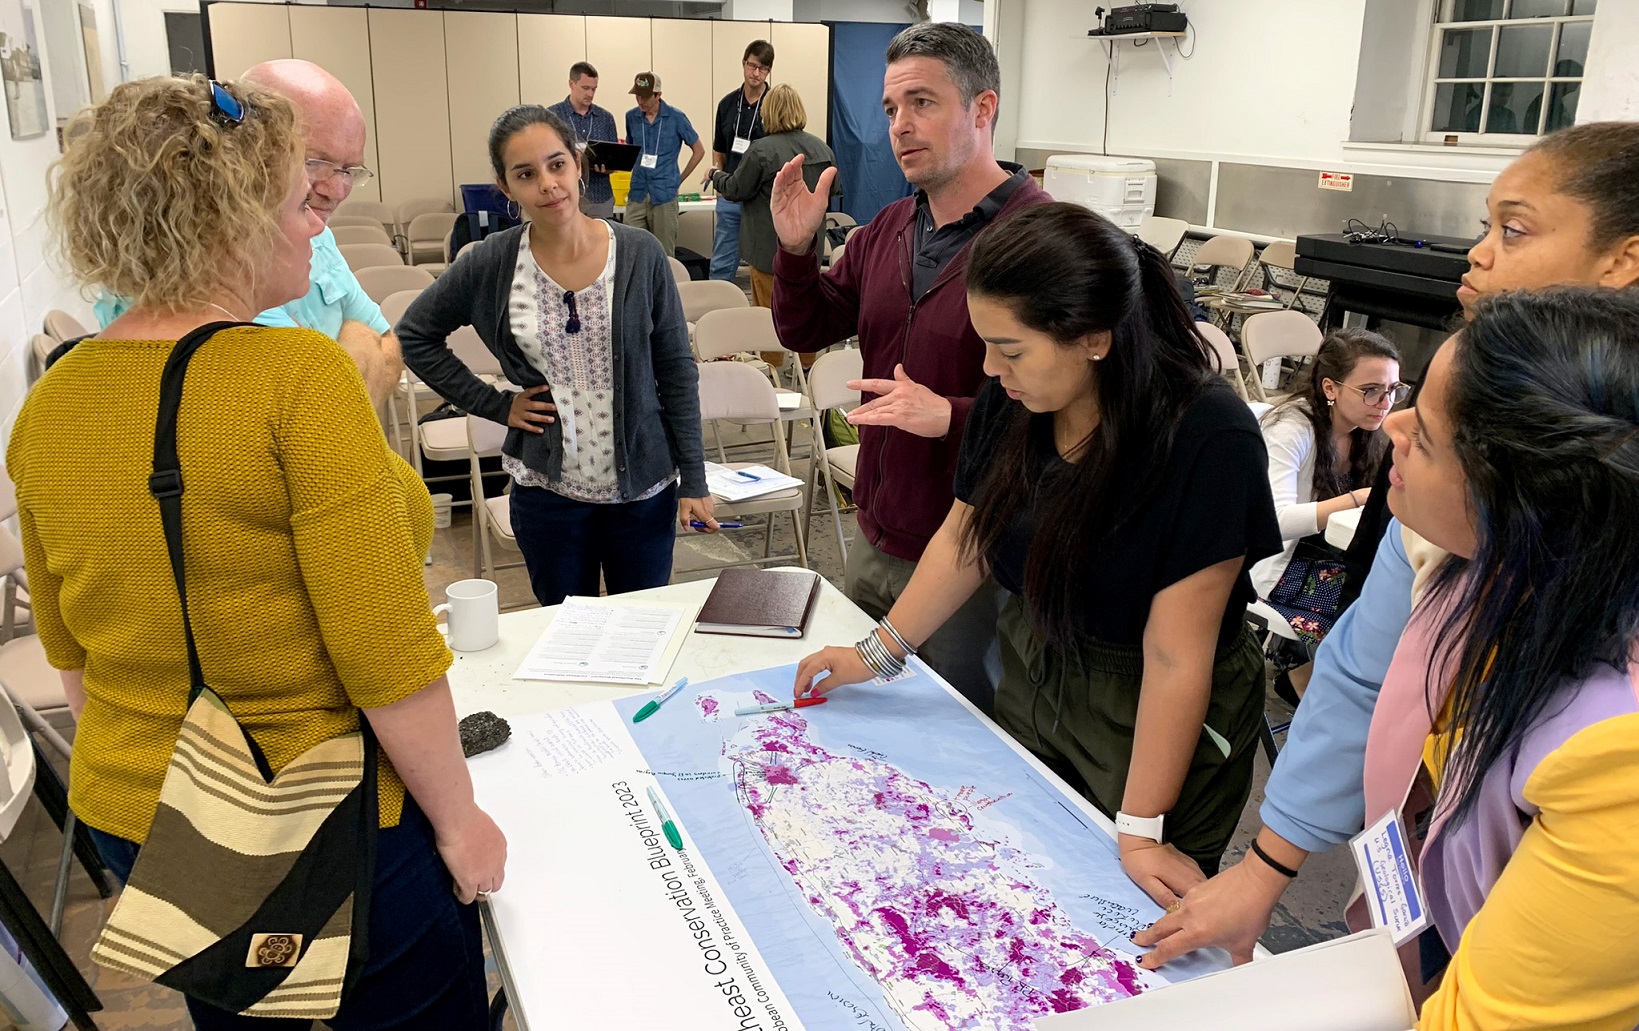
934 248
737 116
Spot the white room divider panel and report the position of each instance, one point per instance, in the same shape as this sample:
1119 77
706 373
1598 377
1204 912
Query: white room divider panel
481 54
412 105
679 45
331 38
247 34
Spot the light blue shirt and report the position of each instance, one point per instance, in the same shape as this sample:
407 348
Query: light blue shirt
1315 797
665 139
334 296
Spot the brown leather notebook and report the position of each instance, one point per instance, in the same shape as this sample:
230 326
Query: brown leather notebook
760 603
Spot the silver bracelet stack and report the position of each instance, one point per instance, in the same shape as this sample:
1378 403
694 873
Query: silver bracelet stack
878 657
898 638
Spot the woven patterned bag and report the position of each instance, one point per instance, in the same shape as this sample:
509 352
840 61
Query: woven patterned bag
251 892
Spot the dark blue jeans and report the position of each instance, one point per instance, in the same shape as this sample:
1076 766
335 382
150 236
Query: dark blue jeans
426 966
567 543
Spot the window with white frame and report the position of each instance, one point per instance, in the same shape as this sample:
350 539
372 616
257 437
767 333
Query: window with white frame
1505 71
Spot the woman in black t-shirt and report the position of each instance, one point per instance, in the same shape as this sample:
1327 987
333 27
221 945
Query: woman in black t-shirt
1117 488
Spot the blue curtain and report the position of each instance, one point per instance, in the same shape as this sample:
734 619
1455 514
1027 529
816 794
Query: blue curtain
870 176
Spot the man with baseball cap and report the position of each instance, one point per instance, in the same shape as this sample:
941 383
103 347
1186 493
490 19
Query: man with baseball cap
661 131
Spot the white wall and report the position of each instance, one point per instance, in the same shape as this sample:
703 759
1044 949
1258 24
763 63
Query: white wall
1612 93
1271 82
29 284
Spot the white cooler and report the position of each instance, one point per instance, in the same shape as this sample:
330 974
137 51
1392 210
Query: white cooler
1120 189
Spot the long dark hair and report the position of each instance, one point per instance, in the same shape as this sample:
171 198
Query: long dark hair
1067 272
515 120
1544 404
1339 353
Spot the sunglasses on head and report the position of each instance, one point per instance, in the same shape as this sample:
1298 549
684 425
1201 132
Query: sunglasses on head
224 108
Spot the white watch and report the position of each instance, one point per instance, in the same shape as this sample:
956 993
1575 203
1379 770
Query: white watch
1140 826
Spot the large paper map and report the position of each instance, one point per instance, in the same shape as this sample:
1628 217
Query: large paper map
886 861
898 864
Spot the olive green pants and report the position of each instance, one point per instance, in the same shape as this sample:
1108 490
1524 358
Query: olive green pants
1076 706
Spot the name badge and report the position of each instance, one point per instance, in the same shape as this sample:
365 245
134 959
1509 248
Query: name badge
741 145
1383 856
650 160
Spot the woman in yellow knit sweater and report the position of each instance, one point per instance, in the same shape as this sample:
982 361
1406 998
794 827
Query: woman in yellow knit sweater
303 535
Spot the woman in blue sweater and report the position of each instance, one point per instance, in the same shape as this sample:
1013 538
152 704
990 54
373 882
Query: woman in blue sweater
604 445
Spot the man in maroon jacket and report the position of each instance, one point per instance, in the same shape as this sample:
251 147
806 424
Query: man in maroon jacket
900 287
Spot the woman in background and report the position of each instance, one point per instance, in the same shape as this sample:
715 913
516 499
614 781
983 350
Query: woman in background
583 314
1325 443
752 182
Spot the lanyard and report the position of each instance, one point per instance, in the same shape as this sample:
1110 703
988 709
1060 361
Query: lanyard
583 123
644 122
740 106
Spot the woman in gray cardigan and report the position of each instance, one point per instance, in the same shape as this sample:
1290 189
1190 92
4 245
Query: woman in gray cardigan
584 316
752 182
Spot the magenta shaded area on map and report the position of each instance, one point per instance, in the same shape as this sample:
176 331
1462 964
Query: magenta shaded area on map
951 923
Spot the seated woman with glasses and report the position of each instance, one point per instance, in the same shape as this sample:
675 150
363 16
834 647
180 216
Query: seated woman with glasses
1325 442
584 316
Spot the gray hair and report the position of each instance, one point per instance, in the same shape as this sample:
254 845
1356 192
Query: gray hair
968 57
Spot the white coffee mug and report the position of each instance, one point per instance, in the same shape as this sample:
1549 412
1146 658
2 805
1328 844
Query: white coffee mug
475 611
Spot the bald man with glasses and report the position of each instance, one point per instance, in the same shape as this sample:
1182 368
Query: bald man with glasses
336 305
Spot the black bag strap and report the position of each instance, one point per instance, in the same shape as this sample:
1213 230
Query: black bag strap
165 484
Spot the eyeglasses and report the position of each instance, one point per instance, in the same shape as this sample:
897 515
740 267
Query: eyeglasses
1373 395
573 325
320 170
225 110
753 66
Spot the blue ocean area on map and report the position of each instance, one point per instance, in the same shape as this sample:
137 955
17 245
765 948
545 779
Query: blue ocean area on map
895 861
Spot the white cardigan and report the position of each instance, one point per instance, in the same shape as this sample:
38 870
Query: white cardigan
1290 439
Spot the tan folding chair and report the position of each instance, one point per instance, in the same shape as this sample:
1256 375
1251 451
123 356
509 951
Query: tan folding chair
828 385
738 392
383 281
340 221
1276 334
426 236
1164 234
491 517
1282 255
445 440
1229 362
40 348
680 271
62 326
1226 252
694 229
703 295
369 255
346 235
727 331
373 210
407 211
15 611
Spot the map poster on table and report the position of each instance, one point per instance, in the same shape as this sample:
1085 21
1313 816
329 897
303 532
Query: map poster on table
887 861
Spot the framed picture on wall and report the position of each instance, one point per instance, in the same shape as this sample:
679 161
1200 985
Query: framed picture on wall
20 71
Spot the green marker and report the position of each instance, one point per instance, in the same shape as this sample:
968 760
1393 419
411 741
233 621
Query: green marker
666 823
654 704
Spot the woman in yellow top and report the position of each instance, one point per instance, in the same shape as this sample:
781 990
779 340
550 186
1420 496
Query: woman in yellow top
303 532
1521 460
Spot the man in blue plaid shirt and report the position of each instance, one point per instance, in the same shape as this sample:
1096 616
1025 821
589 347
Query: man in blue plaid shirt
590 122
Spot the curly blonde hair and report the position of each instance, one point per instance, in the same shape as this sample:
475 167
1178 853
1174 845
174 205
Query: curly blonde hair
157 201
783 110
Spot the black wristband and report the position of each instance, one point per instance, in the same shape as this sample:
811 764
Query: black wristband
1269 861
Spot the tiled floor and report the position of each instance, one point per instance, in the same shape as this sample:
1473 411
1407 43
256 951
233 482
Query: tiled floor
1310 911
